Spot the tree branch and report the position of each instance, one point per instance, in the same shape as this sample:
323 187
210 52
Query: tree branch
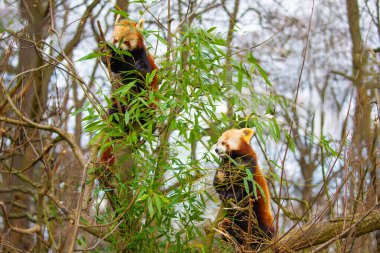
329 231
27 231
335 72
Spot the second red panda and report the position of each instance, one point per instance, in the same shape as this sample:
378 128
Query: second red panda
237 157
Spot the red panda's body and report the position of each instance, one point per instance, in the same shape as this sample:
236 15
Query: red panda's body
238 157
132 62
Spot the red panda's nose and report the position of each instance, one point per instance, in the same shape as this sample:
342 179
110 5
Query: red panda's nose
217 150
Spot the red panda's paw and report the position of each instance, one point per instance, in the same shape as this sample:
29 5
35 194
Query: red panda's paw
220 176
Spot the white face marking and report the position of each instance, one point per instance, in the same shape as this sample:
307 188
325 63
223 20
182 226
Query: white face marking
227 144
133 44
124 46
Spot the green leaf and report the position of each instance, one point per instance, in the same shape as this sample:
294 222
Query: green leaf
126 118
277 128
149 77
246 186
249 174
121 13
75 113
123 90
91 56
261 192
275 176
262 72
141 194
109 102
254 183
119 52
150 207
290 142
158 203
143 197
260 129
211 29
161 39
239 84
274 130
143 101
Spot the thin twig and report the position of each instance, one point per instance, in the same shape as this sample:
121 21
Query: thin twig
25 231
78 210
295 108
101 239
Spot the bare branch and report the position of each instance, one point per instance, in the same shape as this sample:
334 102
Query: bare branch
27 231
329 231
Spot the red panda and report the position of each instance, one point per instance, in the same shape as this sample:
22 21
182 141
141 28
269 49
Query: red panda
132 66
127 36
237 157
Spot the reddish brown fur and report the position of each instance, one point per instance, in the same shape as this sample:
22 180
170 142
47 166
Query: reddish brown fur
264 203
107 156
235 144
127 30
154 83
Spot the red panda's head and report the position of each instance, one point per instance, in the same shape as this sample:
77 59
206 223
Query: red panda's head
127 35
235 141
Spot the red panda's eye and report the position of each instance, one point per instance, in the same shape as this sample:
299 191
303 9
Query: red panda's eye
223 143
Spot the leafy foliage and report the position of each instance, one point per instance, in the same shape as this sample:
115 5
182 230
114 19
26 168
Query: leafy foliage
166 149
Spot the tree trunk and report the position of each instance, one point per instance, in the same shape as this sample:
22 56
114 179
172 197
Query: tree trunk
33 106
228 70
362 135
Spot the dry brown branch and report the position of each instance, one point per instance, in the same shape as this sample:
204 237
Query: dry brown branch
78 210
10 247
62 55
40 157
4 60
26 231
101 239
16 189
339 73
322 232
69 139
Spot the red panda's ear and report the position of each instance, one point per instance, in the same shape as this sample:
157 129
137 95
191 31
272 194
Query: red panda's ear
141 24
247 134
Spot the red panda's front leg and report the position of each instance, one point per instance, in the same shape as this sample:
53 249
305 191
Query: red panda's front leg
227 188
